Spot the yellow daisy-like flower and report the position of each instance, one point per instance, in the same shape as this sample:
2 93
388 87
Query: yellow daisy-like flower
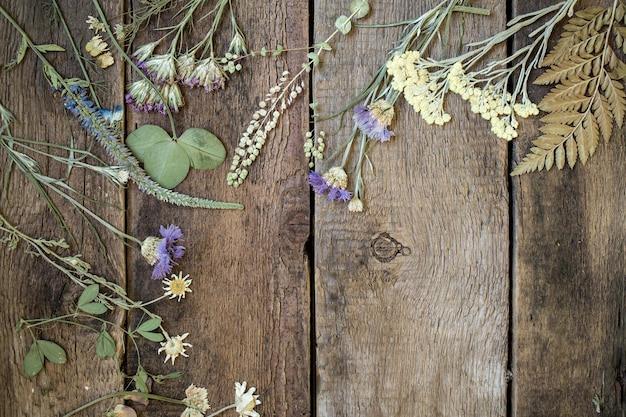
177 286
174 347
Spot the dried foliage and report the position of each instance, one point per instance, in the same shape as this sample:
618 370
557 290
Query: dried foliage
588 99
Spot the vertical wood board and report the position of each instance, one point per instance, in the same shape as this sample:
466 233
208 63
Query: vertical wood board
426 333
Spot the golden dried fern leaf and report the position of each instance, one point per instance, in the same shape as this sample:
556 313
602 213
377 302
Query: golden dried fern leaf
588 98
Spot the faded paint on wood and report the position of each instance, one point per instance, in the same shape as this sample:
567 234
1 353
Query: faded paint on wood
423 334
31 288
568 280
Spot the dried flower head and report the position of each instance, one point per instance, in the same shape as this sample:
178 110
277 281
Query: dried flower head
95 24
174 347
374 119
245 401
208 75
122 410
196 400
161 68
163 252
96 46
332 184
177 286
105 60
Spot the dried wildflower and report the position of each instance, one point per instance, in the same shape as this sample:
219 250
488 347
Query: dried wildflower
141 55
119 31
374 119
174 347
185 66
105 60
6 118
333 183
143 97
355 205
96 46
163 252
95 24
114 115
177 286
161 68
208 75
238 44
246 401
196 400
314 149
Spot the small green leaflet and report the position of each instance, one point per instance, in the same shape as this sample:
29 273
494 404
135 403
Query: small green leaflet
145 330
168 161
40 349
85 301
105 345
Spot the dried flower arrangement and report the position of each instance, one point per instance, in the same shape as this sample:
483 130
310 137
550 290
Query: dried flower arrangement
585 104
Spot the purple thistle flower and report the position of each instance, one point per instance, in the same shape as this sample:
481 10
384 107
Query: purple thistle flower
374 119
322 185
163 252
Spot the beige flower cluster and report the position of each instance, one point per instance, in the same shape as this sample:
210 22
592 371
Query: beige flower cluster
424 93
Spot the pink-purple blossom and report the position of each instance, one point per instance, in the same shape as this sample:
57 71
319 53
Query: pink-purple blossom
374 119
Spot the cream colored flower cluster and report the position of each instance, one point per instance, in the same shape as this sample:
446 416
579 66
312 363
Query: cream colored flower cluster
314 147
420 90
492 102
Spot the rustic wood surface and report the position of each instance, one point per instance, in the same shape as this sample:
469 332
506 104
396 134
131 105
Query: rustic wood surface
568 280
423 334
32 288
516 280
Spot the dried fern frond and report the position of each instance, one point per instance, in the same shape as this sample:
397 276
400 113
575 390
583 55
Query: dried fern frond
588 99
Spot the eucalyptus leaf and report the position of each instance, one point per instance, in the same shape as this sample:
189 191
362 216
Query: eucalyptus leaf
89 294
343 24
53 352
33 361
105 345
204 149
165 161
360 8
93 308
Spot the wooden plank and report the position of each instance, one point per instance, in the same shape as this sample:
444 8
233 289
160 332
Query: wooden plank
248 315
568 291
424 334
33 289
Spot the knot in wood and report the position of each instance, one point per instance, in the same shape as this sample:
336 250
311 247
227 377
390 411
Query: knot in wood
385 248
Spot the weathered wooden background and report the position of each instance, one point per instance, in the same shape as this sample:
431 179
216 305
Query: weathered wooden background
509 304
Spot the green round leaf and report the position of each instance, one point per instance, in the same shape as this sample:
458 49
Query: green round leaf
360 8
204 149
105 345
165 161
142 140
33 361
53 352
89 294
343 24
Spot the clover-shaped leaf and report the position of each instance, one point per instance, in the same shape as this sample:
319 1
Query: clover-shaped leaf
164 160
204 149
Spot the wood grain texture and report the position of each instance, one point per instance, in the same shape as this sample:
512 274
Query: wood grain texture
423 334
568 275
32 289
248 315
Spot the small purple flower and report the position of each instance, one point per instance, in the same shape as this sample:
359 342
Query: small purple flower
163 252
374 119
332 184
